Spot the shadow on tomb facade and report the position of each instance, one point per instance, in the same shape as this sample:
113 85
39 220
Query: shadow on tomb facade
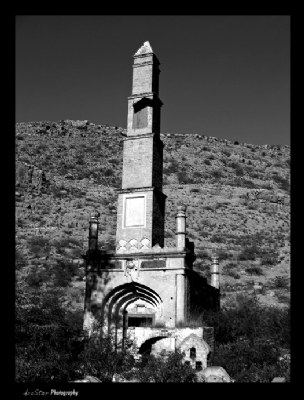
145 291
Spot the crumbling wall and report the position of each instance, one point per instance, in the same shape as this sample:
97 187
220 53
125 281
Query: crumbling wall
29 176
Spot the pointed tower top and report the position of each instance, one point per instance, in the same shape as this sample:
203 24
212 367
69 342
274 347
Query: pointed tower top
144 49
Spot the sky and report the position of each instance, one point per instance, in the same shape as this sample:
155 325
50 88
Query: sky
226 76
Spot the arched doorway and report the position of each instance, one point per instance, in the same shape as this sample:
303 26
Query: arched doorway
115 306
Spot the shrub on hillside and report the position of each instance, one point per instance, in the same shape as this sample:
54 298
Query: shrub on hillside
108 172
249 253
237 168
47 338
279 282
165 368
250 340
230 269
172 167
100 358
248 184
184 178
254 270
223 255
39 246
217 173
217 238
282 182
197 175
226 153
269 259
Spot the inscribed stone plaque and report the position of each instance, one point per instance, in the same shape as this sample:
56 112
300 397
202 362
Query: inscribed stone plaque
154 264
135 211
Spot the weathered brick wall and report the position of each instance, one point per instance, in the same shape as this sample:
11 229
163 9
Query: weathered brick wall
29 176
201 350
142 78
145 74
137 163
105 282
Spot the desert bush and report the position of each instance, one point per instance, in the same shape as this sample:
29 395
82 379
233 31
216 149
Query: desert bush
282 182
223 255
184 178
165 368
271 256
210 208
249 253
108 172
217 173
230 269
20 261
233 273
226 153
237 168
254 270
203 254
202 233
197 175
248 184
279 282
46 337
207 162
38 245
246 362
217 238
172 167
100 358
250 340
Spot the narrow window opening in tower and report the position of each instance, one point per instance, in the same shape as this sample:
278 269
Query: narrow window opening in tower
198 365
193 352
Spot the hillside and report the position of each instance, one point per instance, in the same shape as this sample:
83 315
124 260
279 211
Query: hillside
237 198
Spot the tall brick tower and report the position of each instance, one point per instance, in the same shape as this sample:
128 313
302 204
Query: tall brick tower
144 291
141 203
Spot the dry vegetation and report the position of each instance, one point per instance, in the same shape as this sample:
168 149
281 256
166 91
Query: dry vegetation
237 198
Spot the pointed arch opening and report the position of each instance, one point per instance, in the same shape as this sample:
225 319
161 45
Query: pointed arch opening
147 307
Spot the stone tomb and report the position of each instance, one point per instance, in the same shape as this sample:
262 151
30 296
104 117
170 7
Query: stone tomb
144 286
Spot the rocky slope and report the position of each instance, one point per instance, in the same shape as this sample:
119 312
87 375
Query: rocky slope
237 198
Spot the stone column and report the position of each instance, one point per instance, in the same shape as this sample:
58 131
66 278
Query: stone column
181 227
215 279
93 230
180 298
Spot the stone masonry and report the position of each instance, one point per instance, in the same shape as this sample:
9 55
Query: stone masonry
144 290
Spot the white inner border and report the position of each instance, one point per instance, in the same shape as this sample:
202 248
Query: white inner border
132 196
